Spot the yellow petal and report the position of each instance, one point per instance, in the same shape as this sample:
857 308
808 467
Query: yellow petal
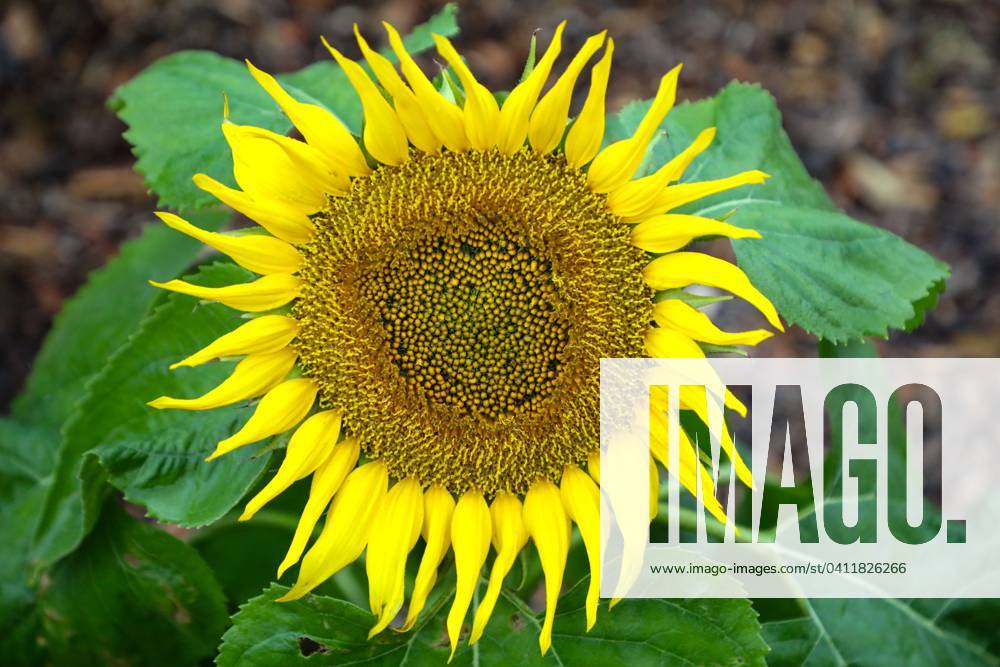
384 135
438 509
679 164
265 293
669 344
681 269
307 450
288 223
616 164
411 114
690 469
481 112
345 532
321 128
695 398
394 532
654 490
509 537
548 526
278 411
268 333
688 320
675 196
257 252
471 530
517 108
325 482
637 198
584 139
582 500
267 165
252 377
308 162
548 120
594 466
444 116
666 233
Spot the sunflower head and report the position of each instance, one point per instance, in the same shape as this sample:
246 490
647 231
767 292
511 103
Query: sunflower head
434 300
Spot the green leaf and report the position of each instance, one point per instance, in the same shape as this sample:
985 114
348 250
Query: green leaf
173 110
27 454
319 630
835 277
156 457
883 631
132 594
91 326
869 632
880 631
100 318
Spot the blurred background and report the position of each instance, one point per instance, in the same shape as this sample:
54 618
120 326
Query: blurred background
893 105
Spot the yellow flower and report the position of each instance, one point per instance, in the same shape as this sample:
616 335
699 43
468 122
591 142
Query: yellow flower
433 302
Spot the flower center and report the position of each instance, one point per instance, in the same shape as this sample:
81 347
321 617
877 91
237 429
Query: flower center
472 321
456 309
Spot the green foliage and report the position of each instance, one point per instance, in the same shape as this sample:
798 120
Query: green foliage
100 318
837 278
927 632
84 582
155 457
319 630
840 278
27 453
40 483
174 110
132 594
871 632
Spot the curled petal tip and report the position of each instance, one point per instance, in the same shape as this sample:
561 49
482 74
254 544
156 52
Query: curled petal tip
381 623
291 595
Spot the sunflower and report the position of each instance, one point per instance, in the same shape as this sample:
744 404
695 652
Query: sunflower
434 300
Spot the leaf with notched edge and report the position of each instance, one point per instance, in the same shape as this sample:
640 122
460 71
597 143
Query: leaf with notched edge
837 278
174 110
318 630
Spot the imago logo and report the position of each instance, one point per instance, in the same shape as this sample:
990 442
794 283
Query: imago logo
790 477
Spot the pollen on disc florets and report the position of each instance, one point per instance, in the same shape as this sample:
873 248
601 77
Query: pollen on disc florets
472 320
456 308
